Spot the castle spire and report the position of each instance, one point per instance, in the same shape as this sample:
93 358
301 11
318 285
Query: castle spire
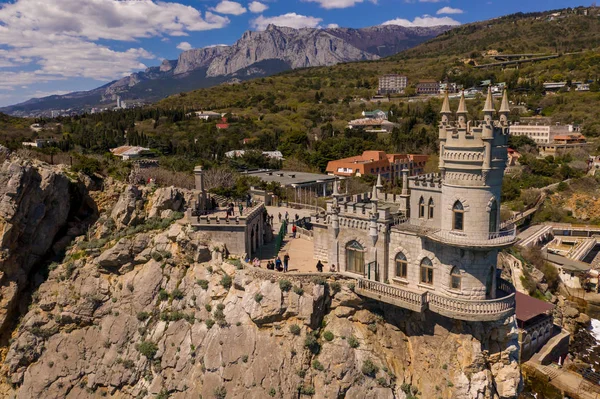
461 113
446 109
489 101
504 107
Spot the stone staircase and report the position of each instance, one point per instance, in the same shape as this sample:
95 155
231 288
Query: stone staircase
551 372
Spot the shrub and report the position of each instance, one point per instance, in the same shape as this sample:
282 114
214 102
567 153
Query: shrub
220 393
369 368
210 323
219 315
208 307
551 275
311 343
335 287
203 284
317 365
272 392
353 342
148 349
226 281
299 291
319 281
372 327
382 382
163 394
86 165
141 316
163 295
306 390
177 294
328 335
351 286
258 297
285 285
295 329
301 373
245 358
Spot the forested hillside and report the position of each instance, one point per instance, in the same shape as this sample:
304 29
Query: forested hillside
304 113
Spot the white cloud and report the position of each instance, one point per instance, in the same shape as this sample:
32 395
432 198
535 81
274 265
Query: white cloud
291 20
216 45
58 39
229 7
333 26
449 10
330 4
257 7
184 46
424 21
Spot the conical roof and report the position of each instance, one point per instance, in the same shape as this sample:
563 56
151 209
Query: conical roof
504 108
379 184
489 102
446 105
462 108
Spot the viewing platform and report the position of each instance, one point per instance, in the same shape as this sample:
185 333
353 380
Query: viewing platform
461 309
472 240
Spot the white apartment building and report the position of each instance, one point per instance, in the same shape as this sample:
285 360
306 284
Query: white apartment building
392 83
541 134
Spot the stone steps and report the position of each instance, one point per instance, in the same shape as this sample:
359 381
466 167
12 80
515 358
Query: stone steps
551 372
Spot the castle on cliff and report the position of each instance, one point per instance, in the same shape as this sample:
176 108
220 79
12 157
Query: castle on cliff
434 246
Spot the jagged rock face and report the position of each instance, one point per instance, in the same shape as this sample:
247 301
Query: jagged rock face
197 58
299 48
136 310
35 201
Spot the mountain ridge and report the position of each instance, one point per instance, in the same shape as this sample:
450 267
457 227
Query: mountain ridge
255 54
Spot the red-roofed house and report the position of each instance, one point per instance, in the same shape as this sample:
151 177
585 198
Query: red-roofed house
223 124
373 163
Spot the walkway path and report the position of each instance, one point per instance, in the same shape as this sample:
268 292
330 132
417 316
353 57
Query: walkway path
516 268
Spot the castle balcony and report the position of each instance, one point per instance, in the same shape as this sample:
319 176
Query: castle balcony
454 308
472 240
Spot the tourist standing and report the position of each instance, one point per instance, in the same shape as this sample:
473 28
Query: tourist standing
241 207
320 266
294 229
278 264
332 268
286 261
279 217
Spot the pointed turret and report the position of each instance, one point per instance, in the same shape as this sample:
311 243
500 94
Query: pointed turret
379 183
446 109
489 101
461 113
504 109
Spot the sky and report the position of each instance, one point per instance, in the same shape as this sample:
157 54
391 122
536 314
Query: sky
60 46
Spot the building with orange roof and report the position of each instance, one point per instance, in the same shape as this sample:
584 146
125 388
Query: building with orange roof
374 163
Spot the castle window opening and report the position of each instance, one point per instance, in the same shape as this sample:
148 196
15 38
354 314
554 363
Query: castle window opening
421 208
455 278
426 271
401 265
459 214
431 206
355 258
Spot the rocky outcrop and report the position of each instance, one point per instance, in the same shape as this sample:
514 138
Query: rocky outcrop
36 200
143 305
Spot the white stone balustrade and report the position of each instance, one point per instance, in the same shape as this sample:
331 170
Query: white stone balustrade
461 309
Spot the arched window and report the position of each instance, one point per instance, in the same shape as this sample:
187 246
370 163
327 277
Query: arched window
430 208
459 216
355 258
401 265
421 208
455 278
426 271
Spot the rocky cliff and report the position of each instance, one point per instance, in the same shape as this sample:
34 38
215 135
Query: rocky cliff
141 306
41 209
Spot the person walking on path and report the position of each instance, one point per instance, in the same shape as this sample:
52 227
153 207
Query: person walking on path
294 229
280 217
287 216
320 266
286 261
241 209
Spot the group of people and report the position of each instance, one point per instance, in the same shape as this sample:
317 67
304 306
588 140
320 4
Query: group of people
278 264
320 267
231 207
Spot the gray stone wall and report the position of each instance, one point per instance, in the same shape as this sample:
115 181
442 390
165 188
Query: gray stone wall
476 267
476 203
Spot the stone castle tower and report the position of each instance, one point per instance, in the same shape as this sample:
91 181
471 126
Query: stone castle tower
472 162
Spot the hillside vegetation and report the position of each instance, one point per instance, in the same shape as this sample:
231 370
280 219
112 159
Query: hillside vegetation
304 113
